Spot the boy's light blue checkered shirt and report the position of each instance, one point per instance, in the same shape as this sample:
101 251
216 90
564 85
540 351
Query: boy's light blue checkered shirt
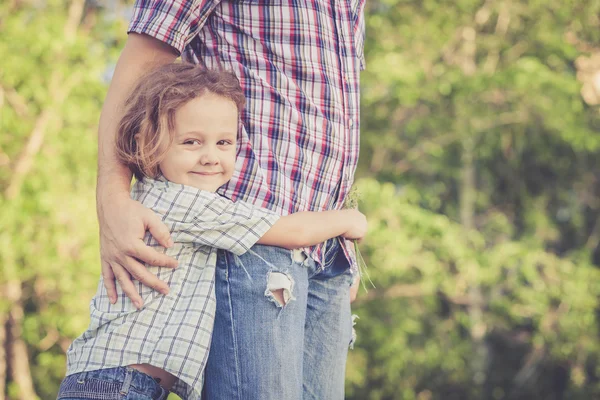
172 332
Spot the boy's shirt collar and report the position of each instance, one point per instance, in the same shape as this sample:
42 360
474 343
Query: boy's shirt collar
162 183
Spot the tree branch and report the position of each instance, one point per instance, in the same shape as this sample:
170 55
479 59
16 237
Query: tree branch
16 101
58 93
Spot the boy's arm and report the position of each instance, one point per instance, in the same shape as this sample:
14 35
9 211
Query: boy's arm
307 228
123 221
208 219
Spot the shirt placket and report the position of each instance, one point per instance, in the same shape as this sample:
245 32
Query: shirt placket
346 55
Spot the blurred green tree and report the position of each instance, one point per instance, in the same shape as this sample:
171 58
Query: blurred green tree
473 110
54 58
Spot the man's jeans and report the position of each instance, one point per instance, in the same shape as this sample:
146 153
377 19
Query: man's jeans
262 350
122 383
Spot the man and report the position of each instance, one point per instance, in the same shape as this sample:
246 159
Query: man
283 319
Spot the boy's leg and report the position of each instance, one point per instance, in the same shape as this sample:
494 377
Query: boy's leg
121 383
328 331
257 346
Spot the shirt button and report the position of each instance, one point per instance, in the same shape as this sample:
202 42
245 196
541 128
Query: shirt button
346 80
350 123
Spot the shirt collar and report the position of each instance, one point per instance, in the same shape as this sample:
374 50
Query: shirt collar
162 183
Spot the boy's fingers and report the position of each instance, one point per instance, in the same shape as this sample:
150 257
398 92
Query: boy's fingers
139 272
158 230
127 286
108 278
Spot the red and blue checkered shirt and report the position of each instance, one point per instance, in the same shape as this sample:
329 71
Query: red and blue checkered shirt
298 62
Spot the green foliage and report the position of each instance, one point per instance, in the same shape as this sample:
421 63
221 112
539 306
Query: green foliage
414 330
484 248
52 88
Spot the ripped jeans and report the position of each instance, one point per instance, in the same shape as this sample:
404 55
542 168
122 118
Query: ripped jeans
264 350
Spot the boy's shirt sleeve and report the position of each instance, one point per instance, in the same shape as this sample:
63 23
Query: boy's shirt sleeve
174 22
223 224
205 218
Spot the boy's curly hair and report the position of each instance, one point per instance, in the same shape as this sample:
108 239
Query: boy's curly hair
149 118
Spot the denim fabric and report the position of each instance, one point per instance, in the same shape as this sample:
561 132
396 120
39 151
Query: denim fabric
122 383
261 350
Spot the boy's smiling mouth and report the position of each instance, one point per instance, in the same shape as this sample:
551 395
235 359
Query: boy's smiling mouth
205 173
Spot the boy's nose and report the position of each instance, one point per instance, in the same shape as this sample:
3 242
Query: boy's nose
208 158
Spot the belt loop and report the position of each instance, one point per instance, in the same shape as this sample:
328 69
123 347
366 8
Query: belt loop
164 393
127 380
81 378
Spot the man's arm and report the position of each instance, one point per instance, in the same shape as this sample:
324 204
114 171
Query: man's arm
307 228
123 221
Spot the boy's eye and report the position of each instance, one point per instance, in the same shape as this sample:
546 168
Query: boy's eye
192 141
223 142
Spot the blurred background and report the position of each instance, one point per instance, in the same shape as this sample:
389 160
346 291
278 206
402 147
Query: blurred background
479 173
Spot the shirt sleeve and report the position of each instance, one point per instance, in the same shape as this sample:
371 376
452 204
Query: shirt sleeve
174 22
204 218
223 224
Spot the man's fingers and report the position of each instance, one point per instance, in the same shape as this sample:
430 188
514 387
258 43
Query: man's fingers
127 286
147 278
158 230
109 282
150 256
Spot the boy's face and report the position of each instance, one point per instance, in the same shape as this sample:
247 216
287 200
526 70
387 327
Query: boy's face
203 152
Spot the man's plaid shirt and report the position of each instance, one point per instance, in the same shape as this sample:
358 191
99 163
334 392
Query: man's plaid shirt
298 62
172 332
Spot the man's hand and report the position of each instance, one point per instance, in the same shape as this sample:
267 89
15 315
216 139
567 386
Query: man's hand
123 224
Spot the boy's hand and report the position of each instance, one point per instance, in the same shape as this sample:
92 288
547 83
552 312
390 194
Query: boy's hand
123 224
357 223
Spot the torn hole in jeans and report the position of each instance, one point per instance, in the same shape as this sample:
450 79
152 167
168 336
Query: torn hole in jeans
279 288
353 338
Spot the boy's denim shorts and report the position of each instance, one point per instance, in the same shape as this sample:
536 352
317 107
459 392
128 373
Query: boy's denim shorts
121 383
